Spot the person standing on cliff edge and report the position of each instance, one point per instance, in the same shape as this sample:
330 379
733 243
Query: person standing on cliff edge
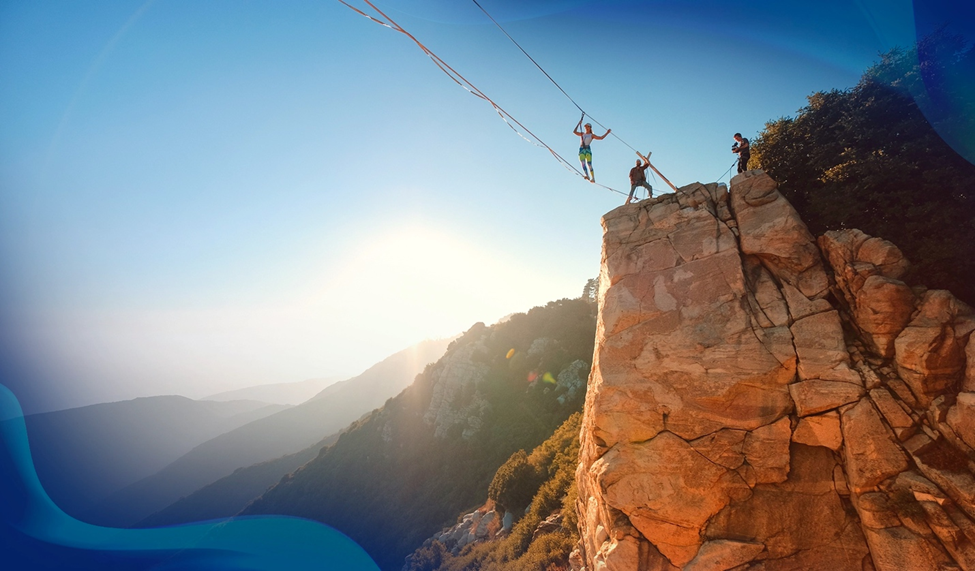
585 153
638 177
743 151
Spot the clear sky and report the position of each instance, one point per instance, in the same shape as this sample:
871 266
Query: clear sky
201 196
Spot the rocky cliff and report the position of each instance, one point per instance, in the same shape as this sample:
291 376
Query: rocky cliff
762 399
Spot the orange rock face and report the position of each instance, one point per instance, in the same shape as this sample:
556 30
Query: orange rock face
761 399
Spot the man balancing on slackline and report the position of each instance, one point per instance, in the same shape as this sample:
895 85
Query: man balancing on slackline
585 153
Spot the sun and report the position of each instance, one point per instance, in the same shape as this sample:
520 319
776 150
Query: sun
428 283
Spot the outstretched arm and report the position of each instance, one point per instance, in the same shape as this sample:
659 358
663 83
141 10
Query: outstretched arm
598 138
576 131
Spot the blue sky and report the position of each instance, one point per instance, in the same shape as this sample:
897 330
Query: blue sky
201 196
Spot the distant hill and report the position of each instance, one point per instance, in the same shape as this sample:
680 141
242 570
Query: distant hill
286 432
407 469
230 494
84 454
278 393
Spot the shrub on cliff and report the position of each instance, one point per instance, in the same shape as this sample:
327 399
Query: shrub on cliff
554 462
871 157
514 484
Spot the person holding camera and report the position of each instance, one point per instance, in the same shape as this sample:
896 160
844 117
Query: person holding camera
743 151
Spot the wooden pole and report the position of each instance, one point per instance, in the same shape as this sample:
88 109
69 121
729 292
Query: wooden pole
656 171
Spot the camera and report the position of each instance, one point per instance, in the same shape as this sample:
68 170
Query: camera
734 147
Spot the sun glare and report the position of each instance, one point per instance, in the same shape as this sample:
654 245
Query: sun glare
429 284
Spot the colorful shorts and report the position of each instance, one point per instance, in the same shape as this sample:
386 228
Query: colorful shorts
585 154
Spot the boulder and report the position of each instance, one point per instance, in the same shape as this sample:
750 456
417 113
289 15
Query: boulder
930 352
885 256
883 308
892 547
948 469
801 522
819 430
903 392
771 307
896 417
867 273
550 524
815 396
821 349
955 531
766 451
854 256
725 447
875 511
968 383
627 553
870 450
961 418
667 490
801 306
770 228
724 554
618 555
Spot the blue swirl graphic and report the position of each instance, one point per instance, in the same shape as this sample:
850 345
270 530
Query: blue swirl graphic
36 534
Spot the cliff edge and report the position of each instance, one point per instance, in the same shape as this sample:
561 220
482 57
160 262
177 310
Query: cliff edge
762 399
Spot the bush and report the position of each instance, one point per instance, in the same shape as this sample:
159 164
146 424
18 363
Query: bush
873 158
554 461
514 484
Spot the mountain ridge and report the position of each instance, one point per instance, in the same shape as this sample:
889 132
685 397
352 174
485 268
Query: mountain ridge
292 394
286 432
130 440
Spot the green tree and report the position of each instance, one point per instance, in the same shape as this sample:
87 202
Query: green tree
555 461
515 483
427 558
868 158
939 74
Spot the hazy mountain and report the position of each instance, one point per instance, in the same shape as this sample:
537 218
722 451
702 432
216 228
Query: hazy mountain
232 493
286 432
407 469
84 454
278 393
